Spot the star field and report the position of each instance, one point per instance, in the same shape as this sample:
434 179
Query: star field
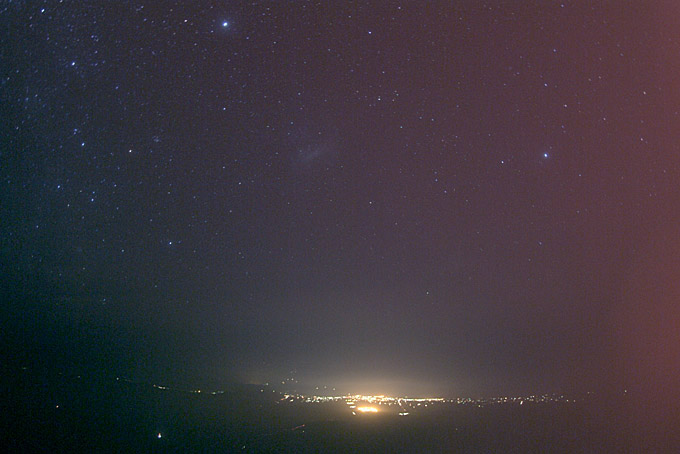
244 188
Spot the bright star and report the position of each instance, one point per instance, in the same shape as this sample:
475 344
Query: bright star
545 155
225 24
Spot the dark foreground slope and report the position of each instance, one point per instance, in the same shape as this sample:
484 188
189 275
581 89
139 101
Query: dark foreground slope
101 414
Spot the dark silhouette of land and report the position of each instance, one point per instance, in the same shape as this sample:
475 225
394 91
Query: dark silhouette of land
89 413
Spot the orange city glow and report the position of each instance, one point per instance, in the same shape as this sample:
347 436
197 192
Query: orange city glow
367 409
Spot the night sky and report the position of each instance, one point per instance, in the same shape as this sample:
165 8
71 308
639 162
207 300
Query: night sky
457 197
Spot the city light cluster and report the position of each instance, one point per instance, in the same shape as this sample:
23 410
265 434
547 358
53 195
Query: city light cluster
356 401
367 409
351 399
